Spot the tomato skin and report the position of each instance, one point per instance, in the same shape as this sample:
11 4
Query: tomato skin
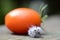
21 19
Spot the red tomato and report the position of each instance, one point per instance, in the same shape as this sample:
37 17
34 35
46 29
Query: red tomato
19 20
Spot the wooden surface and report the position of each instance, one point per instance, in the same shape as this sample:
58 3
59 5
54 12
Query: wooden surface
51 27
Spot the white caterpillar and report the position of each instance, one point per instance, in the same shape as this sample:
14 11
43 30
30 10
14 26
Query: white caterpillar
35 31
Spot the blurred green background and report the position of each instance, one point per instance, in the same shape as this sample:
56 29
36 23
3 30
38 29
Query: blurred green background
8 5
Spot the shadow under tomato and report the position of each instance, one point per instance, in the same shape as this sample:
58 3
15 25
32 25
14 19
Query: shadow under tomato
19 34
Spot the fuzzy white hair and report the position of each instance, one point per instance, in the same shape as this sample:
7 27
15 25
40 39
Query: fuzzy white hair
35 31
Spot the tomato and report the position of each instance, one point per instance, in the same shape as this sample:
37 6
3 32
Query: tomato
21 19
